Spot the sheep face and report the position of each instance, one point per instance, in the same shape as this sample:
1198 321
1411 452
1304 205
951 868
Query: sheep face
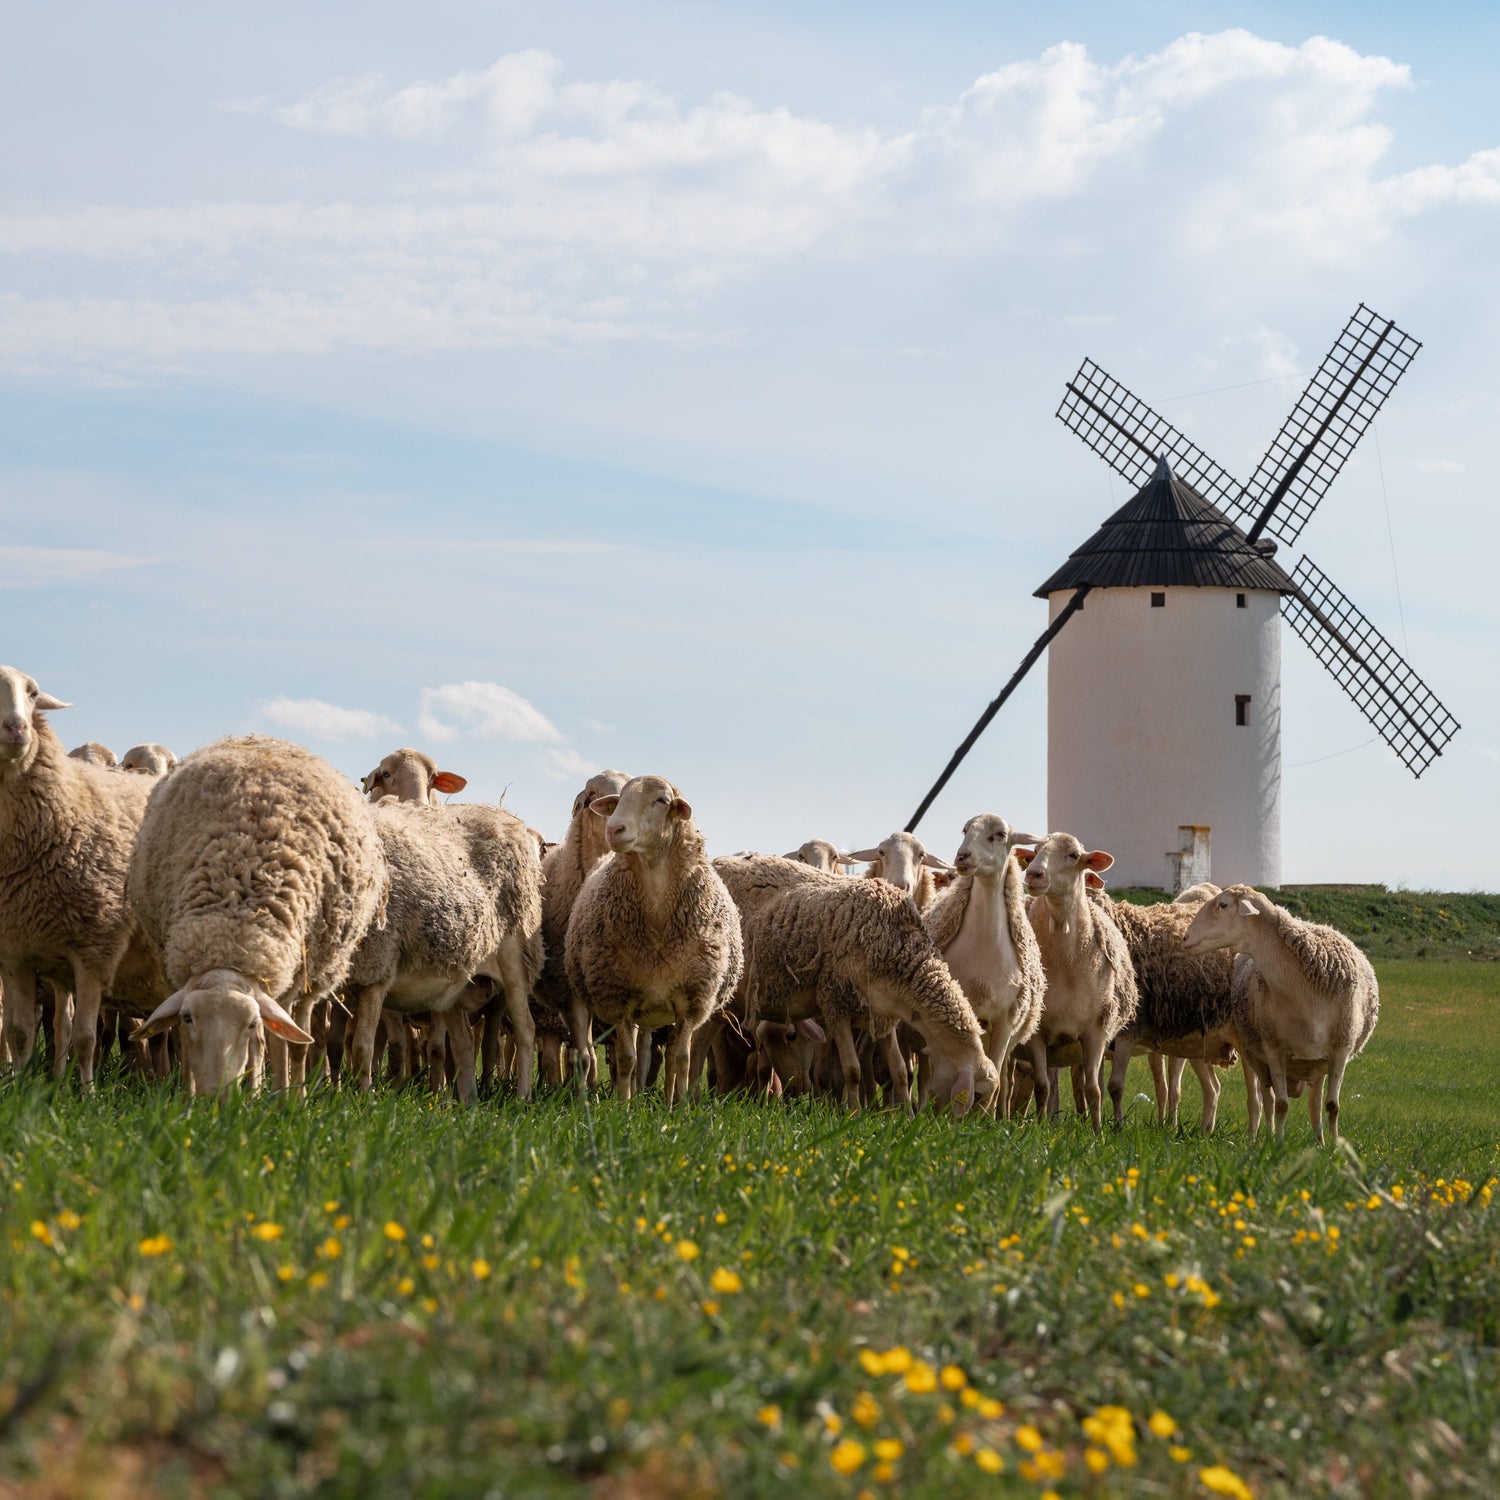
960 1082
642 817
1059 863
1223 921
988 840
148 760
94 754
819 854
409 776
220 1018
20 699
601 784
900 857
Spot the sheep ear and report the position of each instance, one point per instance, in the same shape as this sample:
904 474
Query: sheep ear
448 781
1248 907
961 1100
1093 882
1024 857
602 807
934 863
811 1030
862 857
681 808
1023 838
364 783
161 1018
47 701
278 1021
1098 860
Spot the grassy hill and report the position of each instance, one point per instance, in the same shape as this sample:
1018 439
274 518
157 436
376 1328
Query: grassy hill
1386 923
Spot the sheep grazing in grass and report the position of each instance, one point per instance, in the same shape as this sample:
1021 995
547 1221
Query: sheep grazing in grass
1185 1011
410 776
94 754
654 939
1305 998
149 759
902 861
826 947
1091 990
564 871
465 903
67 827
255 875
819 854
979 925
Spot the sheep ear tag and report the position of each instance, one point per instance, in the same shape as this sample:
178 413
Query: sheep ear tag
602 807
1024 857
448 782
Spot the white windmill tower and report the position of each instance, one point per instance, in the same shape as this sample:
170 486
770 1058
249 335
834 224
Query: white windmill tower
1164 699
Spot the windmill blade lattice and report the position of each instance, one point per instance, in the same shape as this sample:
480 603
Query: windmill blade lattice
1402 708
1330 417
1130 438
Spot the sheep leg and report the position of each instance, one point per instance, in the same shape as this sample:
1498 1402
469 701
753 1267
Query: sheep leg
367 1008
550 1059
1174 1084
581 1025
489 1045
88 993
625 1060
512 975
1208 1082
1335 1089
841 1034
437 1053
900 1069
1119 1065
1252 1093
1315 1107
1276 1071
255 1060
62 1028
679 1062
1093 1060
461 1039
1041 1079
1159 1085
302 1013
998 1038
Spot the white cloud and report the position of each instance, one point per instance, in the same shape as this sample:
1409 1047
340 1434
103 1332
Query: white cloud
544 211
566 764
1439 466
482 710
596 726
23 566
327 721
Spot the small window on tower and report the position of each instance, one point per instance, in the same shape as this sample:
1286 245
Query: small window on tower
1158 601
1242 709
1239 601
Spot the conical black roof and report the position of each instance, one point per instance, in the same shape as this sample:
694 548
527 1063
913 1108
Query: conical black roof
1168 536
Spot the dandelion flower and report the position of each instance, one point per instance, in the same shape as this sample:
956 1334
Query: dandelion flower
865 1410
1224 1481
921 1378
952 1378
406 1286
158 1244
1178 1454
39 1231
871 1362
480 1268
1161 1424
286 1273
898 1360
711 1308
1028 1438
726 1281
988 1460
394 1232
318 1280
848 1456
769 1416
67 1219
267 1231
1096 1459
888 1450
990 1409
687 1250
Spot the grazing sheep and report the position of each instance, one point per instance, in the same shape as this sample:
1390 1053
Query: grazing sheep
979 925
654 939
1305 998
819 854
410 776
564 871
1091 990
903 861
1185 1009
94 754
66 831
256 873
148 760
465 903
819 945
1195 895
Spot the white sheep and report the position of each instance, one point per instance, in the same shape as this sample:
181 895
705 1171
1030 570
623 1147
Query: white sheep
979 925
1305 998
465 903
1091 990
819 854
654 939
410 776
564 871
902 860
66 832
256 873
149 759
94 754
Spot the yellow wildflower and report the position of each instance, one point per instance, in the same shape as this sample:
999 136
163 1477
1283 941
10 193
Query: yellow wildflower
1028 1438
158 1244
480 1269
990 1409
687 1250
921 1378
394 1232
1161 1424
833 1423
865 1410
871 1362
39 1231
67 1219
710 1308
318 1280
963 1445
769 1416
989 1460
406 1286
884 1472
721 1217
286 1273
898 1360
267 1231
1223 1481
331 1206
888 1450
1096 1459
1051 1464
1179 1454
847 1456
726 1281
952 1378
1141 1289
1118 1298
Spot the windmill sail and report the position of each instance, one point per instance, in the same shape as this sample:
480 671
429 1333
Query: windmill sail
1382 686
1329 419
1130 438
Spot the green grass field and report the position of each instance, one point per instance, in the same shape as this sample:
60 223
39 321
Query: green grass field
390 1295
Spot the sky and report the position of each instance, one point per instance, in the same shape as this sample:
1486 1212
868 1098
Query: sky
671 387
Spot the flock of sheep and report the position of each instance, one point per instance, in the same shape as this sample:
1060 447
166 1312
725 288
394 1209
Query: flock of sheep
250 909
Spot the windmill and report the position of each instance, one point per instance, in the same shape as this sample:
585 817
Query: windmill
1164 700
